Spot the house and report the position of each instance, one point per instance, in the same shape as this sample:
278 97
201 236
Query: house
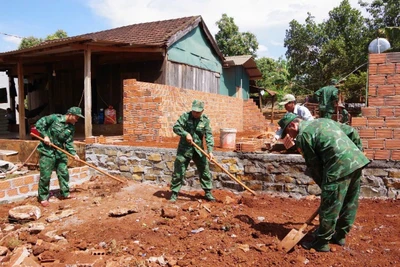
88 70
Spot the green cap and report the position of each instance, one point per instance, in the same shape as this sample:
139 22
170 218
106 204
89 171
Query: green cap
75 111
284 122
198 105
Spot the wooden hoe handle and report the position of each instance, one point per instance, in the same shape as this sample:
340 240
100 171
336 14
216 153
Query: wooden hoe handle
81 161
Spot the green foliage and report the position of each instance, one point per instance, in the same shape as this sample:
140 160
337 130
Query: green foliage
29 42
320 52
59 34
231 42
33 41
383 13
354 87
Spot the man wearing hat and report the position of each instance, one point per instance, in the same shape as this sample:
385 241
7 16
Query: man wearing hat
289 102
59 130
193 126
334 157
344 115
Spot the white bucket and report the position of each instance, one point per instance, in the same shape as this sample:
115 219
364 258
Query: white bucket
228 137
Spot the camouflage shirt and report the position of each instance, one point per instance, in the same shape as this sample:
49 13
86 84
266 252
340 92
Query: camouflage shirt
331 150
60 133
198 128
326 97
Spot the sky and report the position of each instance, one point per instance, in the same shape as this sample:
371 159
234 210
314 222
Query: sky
268 20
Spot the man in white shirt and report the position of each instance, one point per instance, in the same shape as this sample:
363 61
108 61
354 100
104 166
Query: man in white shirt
289 101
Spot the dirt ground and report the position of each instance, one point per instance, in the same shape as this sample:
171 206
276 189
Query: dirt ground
238 230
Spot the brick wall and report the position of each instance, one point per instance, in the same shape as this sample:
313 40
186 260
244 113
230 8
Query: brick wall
379 126
150 110
26 186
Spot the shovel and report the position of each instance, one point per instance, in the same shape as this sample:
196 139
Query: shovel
294 236
223 169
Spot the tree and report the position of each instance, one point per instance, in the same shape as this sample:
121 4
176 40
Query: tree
384 13
33 41
231 42
29 42
334 48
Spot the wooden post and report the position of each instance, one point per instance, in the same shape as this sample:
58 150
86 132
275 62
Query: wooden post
88 92
260 100
21 101
272 109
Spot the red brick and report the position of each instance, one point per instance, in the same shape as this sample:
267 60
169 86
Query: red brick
367 133
397 89
372 90
12 192
392 101
393 143
385 112
376 101
396 133
385 90
5 185
396 155
369 153
373 69
382 154
2 194
392 123
369 111
375 122
388 68
377 58
376 143
393 79
358 121
376 80
16 182
23 189
29 180
365 143
384 133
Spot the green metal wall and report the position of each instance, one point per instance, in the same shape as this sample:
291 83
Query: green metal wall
234 77
195 50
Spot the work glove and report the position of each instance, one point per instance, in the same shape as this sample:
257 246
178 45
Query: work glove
76 157
211 156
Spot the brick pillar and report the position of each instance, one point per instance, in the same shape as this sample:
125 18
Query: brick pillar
379 126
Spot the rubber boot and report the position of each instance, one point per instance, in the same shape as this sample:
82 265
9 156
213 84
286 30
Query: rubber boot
174 196
209 196
338 239
318 245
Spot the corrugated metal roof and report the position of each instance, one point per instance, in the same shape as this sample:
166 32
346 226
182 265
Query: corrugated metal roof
248 63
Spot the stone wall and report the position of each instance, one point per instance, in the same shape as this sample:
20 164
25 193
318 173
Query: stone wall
150 110
259 171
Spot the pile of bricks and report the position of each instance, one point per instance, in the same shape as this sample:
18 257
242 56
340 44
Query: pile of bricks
249 145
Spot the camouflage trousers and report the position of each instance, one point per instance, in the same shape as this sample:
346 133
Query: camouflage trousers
339 204
47 165
180 167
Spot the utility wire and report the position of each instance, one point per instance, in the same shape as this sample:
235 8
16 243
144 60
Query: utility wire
12 35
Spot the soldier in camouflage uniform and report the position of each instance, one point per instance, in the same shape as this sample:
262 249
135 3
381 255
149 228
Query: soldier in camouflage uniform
192 126
333 152
327 97
58 130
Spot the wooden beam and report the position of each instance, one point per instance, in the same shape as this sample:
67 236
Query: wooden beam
118 48
21 102
88 92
